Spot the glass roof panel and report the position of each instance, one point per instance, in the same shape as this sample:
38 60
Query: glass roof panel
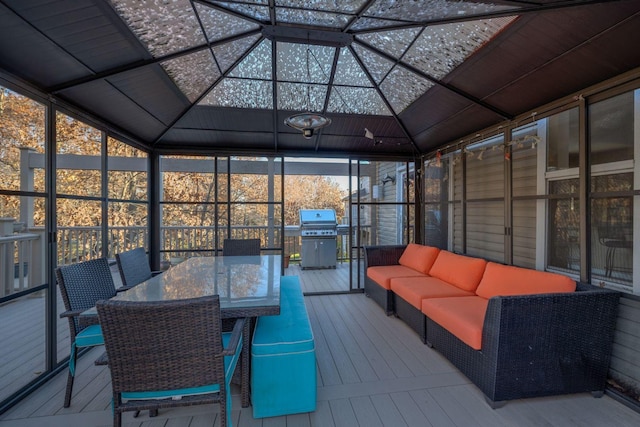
401 87
301 97
393 42
257 65
264 2
356 100
193 73
219 25
241 93
304 63
441 48
163 27
312 17
345 6
371 23
376 64
255 11
424 10
349 72
228 53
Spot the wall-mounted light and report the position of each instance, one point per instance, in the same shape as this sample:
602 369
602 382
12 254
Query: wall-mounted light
388 178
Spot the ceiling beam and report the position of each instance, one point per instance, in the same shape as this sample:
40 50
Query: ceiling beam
144 63
447 86
334 65
206 92
359 14
307 36
229 11
274 85
384 99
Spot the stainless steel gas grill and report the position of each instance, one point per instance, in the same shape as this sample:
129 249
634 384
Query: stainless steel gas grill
318 228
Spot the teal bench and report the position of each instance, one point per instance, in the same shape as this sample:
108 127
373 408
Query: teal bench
283 357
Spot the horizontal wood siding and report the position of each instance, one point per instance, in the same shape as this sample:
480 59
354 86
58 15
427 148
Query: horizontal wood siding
485 219
524 172
524 233
387 225
485 178
485 230
387 215
524 167
625 359
457 208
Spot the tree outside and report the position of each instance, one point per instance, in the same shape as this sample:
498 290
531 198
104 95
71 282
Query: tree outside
242 198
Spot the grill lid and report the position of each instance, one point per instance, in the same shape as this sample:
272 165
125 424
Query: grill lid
317 217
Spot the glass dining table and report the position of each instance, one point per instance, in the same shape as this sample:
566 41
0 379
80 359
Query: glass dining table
248 286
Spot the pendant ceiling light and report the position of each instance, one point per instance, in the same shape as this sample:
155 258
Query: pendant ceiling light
307 122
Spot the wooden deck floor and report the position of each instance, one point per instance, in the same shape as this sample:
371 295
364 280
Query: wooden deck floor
372 371
23 325
325 280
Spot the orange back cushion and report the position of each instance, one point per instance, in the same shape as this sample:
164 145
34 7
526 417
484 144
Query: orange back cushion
459 270
506 280
419 257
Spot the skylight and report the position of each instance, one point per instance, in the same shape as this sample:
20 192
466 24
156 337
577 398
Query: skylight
359 57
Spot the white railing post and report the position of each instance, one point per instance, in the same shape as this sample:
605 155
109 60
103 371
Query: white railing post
6 257
37 257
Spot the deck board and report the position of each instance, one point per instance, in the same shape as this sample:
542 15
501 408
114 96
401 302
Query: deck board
372 370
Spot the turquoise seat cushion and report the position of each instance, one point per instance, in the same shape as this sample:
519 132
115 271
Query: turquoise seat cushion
90 336
230 363
283 362
290 331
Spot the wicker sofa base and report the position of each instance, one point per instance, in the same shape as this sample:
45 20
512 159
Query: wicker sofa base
376 256
383 297
537 345
413 317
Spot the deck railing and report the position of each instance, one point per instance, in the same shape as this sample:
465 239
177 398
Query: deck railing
22 254
21 259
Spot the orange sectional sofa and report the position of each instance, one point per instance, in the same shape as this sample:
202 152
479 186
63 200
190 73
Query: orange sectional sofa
515 332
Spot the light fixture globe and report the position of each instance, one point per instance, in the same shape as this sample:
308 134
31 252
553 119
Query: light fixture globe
308 123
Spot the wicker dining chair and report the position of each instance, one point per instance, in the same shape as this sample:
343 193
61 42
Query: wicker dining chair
235 247
134 267
81 286
176 355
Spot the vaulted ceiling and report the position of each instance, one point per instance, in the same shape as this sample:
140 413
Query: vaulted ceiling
224 75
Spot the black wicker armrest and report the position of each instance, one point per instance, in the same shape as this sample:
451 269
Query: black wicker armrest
236 334
71 313
535 345
553 332
382 255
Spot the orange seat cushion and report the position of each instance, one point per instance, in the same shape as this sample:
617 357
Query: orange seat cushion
462 271
506 280
382 274
414 289
462 316
419 257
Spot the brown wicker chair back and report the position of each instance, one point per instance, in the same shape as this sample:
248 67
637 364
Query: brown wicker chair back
81 285
134 267
164 346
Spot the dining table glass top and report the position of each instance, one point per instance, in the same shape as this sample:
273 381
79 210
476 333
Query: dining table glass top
240 281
